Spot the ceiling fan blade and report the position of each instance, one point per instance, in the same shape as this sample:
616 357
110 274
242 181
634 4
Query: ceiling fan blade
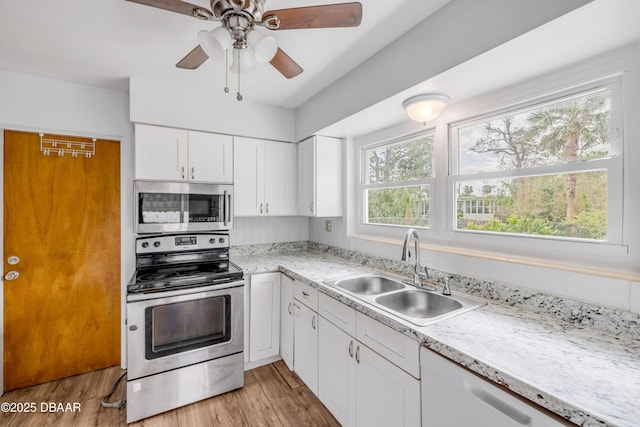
324 16
193 60
178 6
287 66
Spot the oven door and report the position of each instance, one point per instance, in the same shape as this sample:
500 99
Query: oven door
162 207
171 332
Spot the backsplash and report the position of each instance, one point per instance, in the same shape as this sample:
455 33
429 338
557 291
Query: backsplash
608 320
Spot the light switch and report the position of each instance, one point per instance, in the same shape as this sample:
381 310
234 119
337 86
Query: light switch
328 226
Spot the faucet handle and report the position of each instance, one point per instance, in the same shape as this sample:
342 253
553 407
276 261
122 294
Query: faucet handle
445 287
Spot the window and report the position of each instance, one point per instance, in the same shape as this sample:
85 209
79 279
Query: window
397 182
544 170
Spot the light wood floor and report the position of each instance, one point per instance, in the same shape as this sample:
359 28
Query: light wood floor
272 396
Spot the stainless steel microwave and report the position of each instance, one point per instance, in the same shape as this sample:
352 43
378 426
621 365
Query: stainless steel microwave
169 207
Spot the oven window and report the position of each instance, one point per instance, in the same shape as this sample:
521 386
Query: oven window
183 326
206 207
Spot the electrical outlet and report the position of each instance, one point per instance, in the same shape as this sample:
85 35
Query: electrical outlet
328 226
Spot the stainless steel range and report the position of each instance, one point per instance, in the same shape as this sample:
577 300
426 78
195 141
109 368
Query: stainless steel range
184 322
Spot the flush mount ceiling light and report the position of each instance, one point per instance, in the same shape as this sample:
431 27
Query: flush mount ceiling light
425 107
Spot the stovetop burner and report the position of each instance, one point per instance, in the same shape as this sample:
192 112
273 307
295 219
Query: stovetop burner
182 262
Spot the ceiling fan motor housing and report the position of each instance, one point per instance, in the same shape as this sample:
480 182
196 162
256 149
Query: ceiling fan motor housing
253 7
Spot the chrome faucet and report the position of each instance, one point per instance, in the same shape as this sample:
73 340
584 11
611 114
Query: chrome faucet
418 273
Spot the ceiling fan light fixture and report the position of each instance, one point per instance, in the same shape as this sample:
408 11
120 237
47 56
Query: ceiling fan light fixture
215 42
264 47
425 107
243 61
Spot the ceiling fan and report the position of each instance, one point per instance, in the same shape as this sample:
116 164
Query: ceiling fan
239 19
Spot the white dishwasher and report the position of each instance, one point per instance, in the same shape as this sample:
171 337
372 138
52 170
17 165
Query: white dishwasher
452 397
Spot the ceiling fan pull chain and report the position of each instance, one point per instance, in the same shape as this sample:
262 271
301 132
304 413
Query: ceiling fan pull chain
226 71
238 96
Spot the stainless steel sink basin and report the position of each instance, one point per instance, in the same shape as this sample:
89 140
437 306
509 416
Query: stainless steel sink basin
419 304
369 285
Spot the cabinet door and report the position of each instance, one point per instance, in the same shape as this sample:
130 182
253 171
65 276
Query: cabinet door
328 179
387 396
447 387
248 176
286 320
210 157
305 345
337 372
306 177
264 330
161 153
280 178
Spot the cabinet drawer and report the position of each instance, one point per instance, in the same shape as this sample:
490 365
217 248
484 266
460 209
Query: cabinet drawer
341 315
392 345
306 295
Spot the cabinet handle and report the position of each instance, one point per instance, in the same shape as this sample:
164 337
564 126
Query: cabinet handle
305 293
358 354
311 206
193 173
351 349
260 207
501 406
289 308
267 211
183 172
313 322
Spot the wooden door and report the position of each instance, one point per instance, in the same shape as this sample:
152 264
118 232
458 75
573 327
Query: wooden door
62 219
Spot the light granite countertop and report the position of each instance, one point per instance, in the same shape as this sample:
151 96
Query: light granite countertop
587 377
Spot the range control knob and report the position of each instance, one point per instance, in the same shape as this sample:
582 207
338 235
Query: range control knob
212 241
156 244
221 240
145 244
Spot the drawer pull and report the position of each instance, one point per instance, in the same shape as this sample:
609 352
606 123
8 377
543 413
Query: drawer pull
305 293
501 406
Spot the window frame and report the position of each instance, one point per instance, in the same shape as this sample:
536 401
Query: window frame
363 184
520 248
613 164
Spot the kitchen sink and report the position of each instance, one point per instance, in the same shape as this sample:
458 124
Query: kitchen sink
396 296
419 304
369 285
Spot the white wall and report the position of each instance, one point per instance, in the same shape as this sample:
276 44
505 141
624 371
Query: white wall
459 31
37 104
269 229
208 110
614 282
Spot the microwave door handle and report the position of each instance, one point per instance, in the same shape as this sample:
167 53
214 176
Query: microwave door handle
225 209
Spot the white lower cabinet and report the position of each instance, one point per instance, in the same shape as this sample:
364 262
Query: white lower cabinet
358 386
305 345
286 320
337 369
264 328
452 396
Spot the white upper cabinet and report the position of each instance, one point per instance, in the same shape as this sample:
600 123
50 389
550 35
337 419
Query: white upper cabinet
210 157
320 176
265 177
181 155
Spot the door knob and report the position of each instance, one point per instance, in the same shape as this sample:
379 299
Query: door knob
11 275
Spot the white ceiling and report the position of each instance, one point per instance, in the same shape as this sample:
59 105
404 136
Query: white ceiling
105 42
